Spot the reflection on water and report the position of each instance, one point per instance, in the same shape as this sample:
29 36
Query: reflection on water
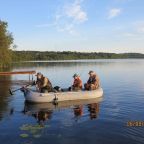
78 111
94 110
5 84
40 115
44 112
44 116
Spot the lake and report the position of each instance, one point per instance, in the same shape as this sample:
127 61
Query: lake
111 119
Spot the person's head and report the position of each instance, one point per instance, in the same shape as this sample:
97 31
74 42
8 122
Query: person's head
39 75
75 76
91 73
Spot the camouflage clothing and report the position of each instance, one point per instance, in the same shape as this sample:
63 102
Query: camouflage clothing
44 85
77 84
92 83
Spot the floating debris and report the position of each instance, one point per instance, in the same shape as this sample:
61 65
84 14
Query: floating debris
27 127
32 130
24 135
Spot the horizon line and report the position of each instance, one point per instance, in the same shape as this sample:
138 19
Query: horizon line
81 51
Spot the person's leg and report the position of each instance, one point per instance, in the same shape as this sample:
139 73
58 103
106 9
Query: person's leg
92 87
57 88
51 89
44 90
86 86
97 85
76 89
70 89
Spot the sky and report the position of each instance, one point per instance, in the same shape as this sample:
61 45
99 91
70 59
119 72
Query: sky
76 25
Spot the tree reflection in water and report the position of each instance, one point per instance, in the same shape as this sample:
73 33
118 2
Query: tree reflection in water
5 84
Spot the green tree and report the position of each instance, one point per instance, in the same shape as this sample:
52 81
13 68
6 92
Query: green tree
6 40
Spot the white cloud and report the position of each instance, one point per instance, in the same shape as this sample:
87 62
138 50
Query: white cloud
75 12
68 17
62 24
66 28
114 13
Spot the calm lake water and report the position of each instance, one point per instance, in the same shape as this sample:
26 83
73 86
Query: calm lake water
88 122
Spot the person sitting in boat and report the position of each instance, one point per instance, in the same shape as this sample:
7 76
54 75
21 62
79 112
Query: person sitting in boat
43 83
93 82
77 84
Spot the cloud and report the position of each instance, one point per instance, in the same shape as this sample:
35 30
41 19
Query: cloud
68 17
66 28
114 12
75 12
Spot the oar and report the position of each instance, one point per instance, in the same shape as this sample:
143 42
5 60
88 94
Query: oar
11 92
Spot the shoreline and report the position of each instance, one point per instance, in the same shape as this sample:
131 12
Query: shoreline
79 60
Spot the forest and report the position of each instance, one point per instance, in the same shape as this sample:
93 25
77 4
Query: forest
69 55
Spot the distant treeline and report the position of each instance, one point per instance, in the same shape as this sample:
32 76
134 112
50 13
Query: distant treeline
68 55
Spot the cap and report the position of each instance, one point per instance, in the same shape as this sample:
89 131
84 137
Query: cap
91 72
39 73
75 75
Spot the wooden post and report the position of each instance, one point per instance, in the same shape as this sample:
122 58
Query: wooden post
17 72
29 78
32 77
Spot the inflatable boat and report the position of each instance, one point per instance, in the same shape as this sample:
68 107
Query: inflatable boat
36 97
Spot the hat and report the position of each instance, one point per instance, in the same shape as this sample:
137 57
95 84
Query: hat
91 72
75 75
39 73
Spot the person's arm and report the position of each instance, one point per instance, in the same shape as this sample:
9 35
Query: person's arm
97 82
80 83
89 81
94 81
38 88
77 83
37 85
45 82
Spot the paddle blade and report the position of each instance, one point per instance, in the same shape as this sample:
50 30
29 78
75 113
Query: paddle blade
10 92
